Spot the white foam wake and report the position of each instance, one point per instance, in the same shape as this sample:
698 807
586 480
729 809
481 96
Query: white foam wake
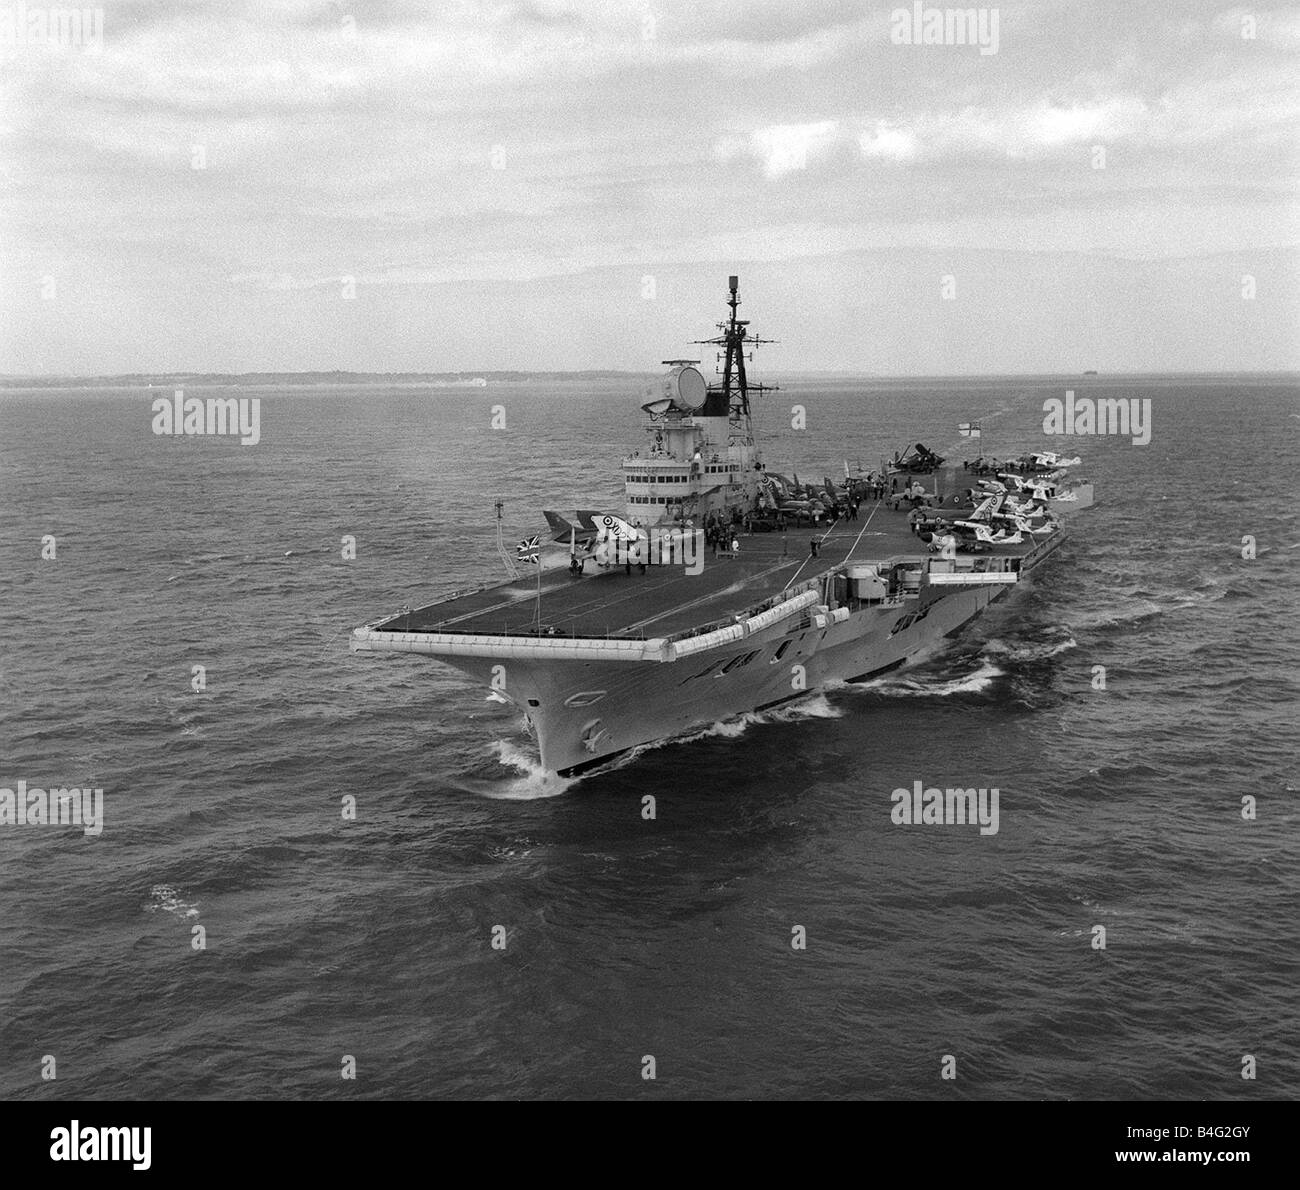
972 683
533 782
815 706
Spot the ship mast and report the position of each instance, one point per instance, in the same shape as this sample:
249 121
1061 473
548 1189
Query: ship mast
734 339
511 569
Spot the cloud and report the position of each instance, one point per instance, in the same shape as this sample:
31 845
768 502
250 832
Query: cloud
895 144
1229 112
782 148
408 143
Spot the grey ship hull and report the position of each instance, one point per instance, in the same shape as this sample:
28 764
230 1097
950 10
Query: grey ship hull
648 703
586 712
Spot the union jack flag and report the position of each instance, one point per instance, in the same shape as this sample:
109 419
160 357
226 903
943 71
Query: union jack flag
530 549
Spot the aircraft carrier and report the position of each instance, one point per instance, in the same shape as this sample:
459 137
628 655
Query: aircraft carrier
721 588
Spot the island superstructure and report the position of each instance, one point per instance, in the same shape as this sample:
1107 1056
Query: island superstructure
659 626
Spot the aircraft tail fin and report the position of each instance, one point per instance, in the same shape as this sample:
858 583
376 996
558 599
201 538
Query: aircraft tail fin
560 526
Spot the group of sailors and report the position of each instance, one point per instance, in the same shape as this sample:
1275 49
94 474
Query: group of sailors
721 538
838 508
1021 464
877 486
870 487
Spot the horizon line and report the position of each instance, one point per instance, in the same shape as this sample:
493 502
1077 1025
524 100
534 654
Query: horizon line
137 379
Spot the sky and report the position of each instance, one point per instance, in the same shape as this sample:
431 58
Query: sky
393 185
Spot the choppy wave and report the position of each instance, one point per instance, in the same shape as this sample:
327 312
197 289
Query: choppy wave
933 685
1028 651
1135 611
166 898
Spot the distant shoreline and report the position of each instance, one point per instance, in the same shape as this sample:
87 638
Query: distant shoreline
166 383
171 380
